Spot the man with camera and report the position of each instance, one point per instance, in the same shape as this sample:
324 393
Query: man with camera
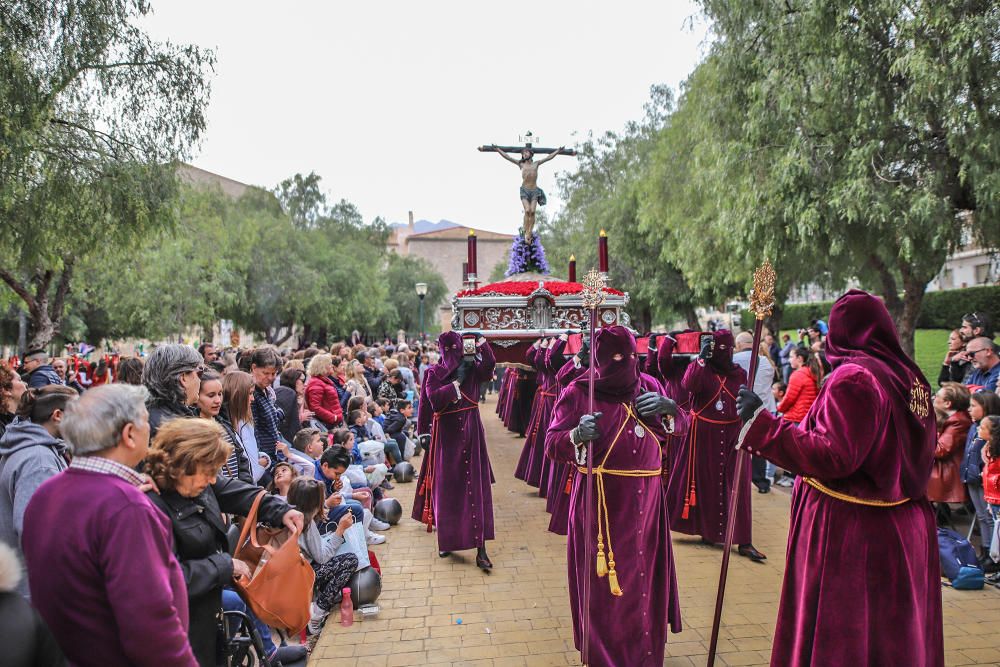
454 492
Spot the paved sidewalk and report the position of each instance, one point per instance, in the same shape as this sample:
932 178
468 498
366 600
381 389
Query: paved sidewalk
519 614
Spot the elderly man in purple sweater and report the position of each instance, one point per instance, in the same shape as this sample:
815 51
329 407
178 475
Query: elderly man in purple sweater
100 566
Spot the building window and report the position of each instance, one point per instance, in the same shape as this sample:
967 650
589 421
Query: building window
982 274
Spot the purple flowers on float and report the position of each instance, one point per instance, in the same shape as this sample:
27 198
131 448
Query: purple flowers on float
527 257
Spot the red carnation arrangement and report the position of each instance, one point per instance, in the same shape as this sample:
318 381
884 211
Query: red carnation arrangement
525 288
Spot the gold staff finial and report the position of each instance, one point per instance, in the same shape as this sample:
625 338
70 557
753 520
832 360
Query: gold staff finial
762 294
593 289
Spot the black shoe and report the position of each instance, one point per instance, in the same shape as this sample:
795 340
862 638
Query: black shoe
763 489
483 561
748 551
989 567
444 554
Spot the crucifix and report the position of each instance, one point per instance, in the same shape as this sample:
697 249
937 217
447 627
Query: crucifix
532 196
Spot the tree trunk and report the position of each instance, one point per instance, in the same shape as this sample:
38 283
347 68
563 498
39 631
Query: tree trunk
773 323
647 319
914 288
692 317
44 313
284 334
323 333
305 340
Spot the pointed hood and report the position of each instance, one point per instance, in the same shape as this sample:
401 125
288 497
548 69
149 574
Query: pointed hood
616 379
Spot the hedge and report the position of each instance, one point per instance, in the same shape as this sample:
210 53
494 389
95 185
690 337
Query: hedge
940 310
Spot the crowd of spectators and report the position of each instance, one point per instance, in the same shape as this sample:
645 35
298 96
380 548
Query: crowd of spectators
170 452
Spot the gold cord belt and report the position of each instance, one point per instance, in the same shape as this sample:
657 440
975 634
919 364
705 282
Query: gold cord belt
852 499
606 565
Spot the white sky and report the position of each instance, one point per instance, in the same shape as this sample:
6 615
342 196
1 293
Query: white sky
387 101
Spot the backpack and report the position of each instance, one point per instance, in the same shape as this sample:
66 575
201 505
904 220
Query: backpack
956 554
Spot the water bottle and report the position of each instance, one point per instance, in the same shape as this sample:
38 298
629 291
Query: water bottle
346 609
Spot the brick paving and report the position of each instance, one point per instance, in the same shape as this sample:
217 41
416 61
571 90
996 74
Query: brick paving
519 614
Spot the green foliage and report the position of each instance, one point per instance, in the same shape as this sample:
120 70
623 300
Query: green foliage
944 309
93 117
929 350
403 312
853 137
606 192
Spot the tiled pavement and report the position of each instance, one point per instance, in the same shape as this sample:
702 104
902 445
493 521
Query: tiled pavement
519 614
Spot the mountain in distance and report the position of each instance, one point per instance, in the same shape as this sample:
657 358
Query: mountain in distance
421 226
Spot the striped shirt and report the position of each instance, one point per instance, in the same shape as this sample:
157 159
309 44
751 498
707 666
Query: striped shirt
266 418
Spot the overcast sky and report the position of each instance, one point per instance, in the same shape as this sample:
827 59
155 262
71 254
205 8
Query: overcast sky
387 101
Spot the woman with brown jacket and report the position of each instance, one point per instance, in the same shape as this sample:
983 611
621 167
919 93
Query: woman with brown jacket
951 403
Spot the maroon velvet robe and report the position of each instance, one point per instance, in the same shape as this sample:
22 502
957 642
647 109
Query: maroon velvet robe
707 460
861 582
553 479
529 466
519 400
558 500
456 473
630 629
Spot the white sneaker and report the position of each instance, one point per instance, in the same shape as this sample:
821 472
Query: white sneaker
379 525
784 481
375 538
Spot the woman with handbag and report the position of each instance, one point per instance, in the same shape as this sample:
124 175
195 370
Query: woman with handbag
184 461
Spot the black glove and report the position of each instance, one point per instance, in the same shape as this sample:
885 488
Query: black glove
587 429
463 371
651 344
652 403
424 441
747 403
706 349
584 354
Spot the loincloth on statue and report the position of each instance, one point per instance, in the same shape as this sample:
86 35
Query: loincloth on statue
533 195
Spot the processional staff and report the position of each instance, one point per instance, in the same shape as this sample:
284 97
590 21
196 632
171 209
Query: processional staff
761 305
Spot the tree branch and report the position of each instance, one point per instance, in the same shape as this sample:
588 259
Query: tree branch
62 291
19 288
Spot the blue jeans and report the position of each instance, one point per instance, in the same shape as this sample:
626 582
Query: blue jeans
231 601
986 525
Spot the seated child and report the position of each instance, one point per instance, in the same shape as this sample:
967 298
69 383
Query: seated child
332 571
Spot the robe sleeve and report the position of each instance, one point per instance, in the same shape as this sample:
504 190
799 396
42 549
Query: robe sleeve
424 411
565 417
529 356
845 426
440 392
554 357
485 366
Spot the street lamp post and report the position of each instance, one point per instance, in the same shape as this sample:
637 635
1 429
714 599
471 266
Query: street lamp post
421 292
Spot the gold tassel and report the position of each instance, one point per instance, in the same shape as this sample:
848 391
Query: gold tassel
616 590
602 564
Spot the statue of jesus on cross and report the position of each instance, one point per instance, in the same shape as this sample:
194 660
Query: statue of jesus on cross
532 196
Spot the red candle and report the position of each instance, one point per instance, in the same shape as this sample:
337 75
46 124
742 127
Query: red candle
572 268
602 252
472 252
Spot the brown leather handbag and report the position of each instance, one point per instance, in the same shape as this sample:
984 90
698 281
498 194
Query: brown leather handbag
281 588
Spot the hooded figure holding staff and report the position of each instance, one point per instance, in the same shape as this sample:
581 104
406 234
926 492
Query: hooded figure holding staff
629 565
862 580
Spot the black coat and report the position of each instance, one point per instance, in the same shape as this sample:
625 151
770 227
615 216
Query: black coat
161 411
202 549
286 399
238 460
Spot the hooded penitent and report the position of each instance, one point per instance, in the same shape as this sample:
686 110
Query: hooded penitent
722 353
616 365
864 455
454 492
450 349
627 560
